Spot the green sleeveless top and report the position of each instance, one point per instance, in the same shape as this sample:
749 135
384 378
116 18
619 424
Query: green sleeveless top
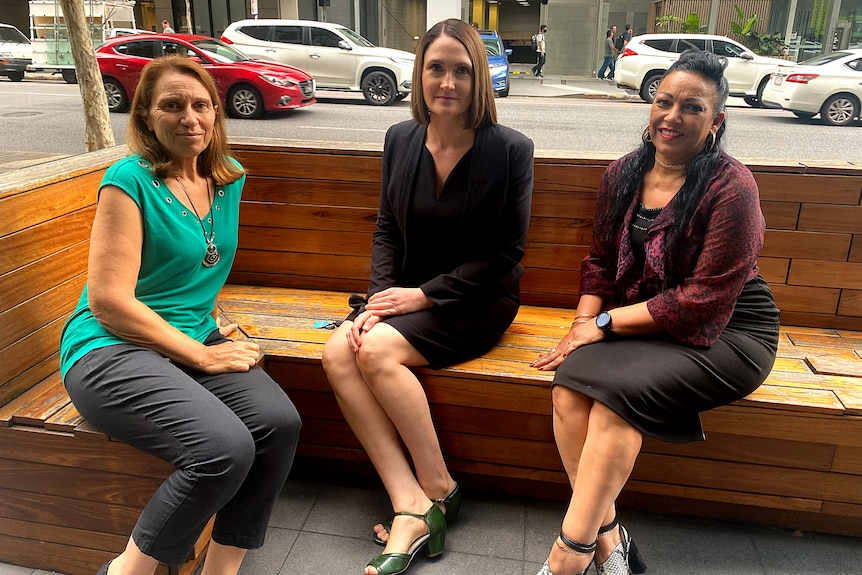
172 280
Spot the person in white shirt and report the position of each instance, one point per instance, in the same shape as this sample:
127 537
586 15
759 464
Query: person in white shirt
540 50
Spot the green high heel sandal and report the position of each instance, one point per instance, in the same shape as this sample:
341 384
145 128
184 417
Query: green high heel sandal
433 541
453 507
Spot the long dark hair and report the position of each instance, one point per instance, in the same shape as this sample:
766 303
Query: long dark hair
626 182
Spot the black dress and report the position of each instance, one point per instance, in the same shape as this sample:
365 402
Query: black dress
445 335
660 386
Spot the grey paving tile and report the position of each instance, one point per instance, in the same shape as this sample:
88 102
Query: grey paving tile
270 559
348 511
541 528
323 554
785 553
490 527
294 505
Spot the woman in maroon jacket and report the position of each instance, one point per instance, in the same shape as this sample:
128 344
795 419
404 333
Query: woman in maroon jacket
673 319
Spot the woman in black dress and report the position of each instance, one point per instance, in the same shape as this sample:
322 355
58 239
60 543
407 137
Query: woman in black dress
674 318
451 229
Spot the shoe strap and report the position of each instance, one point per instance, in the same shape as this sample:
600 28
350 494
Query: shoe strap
605 529
583 548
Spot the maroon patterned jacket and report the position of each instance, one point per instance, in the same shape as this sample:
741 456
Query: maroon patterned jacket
724 237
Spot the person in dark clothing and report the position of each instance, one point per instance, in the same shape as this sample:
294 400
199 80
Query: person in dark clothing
673 318
610 55
445 269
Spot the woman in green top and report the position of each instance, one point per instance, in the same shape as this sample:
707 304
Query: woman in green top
142 356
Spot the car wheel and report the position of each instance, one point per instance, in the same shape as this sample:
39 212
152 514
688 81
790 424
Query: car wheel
752 101
244 102
69 76
650 87
504 93
117 100
401 95
840 110
378 88
757 101
15 76
803 115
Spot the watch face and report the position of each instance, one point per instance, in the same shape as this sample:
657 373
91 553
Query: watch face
603 321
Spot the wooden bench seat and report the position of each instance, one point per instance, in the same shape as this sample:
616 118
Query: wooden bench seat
789 455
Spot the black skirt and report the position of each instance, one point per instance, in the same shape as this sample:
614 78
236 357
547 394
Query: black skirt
660 386
454 333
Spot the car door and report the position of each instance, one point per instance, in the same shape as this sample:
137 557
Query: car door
131 59
741 73
287 46
331 65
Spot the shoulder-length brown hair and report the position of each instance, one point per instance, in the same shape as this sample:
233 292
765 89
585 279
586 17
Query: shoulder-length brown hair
215 160
482 109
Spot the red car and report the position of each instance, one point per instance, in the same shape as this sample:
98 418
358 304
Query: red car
247 87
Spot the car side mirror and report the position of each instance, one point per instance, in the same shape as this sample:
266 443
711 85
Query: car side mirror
508 51
345 45
747 56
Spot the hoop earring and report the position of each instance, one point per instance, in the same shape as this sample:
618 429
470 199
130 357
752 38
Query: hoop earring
710 145
646 136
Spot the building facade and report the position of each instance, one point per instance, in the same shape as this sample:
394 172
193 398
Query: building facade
576 28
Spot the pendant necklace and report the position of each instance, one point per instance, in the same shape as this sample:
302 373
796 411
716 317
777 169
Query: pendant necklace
212 256
670 166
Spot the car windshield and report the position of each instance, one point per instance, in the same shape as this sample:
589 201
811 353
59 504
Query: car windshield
220 52
492 46
824 59
12 36
356 38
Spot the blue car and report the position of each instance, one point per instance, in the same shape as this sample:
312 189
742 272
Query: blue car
498 61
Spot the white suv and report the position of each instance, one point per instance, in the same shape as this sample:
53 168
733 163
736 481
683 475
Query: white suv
337 57
647 57
15 53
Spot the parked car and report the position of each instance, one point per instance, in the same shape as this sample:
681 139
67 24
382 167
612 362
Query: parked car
337 57
247 87
646 58
15 53
829 85
498 61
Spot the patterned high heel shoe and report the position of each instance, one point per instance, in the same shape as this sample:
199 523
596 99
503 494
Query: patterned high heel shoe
625 559
453 507
574 548
433 541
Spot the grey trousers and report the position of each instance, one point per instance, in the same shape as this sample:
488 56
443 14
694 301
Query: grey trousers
231 437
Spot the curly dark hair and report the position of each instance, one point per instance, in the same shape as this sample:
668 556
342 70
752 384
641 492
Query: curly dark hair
626 182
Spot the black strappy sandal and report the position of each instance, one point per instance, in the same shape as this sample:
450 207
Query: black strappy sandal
576 548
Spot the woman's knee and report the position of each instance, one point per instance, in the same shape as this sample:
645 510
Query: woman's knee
569 403
223 456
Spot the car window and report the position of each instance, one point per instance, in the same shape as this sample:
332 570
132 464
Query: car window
177 48
356 38
256 32
220 52
855 64
326 38
141 49
688 43
727 49
287 34
12 35
665 45
492 46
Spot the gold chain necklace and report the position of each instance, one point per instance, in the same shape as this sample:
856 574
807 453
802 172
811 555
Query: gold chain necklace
212 255
670 166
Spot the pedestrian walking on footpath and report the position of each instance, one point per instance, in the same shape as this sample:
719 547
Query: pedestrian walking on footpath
610 57
539 42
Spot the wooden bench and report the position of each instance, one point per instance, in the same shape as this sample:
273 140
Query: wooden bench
789 455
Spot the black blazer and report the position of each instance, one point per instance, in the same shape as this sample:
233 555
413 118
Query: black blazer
496 214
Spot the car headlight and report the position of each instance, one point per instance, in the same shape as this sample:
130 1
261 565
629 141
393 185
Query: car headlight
497 70
279 80
403 61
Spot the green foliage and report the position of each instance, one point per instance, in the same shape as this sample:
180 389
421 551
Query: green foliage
690 24
763 44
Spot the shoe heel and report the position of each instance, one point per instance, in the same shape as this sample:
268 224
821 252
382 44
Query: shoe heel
636 562
436 544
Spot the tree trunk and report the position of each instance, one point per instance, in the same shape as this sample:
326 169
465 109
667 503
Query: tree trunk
97 132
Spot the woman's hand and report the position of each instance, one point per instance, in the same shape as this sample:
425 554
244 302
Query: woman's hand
398 301
230 356
363 322
580 334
